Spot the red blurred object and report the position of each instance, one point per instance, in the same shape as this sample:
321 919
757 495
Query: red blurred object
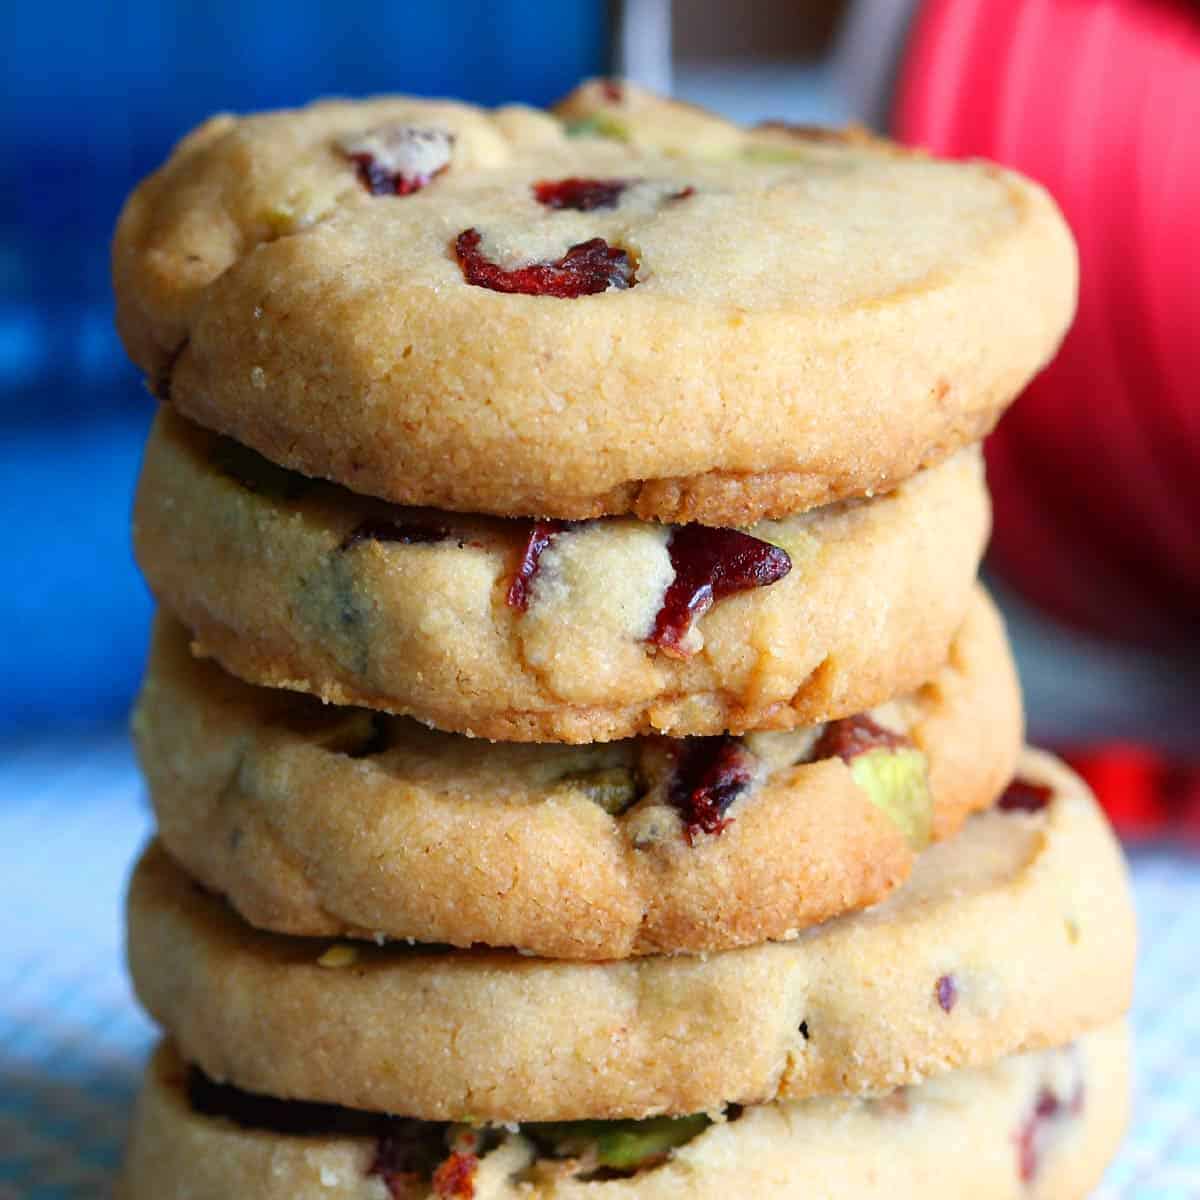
1096 471
1145 794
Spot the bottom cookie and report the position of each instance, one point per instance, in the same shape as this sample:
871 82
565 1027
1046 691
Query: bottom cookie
1038 1126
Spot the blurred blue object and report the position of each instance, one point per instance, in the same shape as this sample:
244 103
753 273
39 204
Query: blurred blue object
94 97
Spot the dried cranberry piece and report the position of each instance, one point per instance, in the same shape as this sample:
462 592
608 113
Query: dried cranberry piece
851 736
711 564
1023 795
1047 1108
612 91
582 195
586 269
455 1178
683 193
946 990
406 532
540 535
710 774
379 181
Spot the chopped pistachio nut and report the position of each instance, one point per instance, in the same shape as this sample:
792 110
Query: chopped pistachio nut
603 125
613 788
897 782
300 210
619 1145
338 955
762 153
651 824
779 749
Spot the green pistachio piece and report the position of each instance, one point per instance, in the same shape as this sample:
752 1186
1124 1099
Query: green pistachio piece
613 788
763 152
599 125
897 782
622 1145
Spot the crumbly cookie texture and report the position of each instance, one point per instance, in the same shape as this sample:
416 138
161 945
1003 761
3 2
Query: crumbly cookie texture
1036 1126
1016 934
624 307
316 820
301 585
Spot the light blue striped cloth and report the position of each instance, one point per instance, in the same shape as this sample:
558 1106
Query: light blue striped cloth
72 1041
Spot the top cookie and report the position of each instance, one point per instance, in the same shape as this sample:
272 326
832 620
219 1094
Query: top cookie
631 306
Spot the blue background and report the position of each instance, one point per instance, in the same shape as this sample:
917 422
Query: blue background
94 96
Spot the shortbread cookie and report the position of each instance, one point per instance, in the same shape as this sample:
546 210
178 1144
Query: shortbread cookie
628 308
580 633
319 820
1016 934
1037 1126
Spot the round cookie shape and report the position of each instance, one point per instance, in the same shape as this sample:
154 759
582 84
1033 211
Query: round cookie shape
315 820
301 585
924 983
729 324
1036 1126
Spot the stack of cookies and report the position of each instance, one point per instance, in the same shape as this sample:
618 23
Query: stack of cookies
585 764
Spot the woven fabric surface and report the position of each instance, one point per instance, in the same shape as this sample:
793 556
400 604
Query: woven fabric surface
72 1041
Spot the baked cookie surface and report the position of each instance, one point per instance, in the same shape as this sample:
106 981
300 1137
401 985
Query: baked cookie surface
731 324
315 820
475 625
924 983
1037 1126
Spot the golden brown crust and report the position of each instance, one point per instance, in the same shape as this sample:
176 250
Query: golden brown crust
434 837
1029 916
265 582
817 320
954 1137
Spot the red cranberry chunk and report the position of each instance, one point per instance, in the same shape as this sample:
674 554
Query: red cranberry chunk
612 91
1023 795
455 1178
710 774
711 564
586 269
407 533
397 160
1031 1137
582 195
539 537
848 738
946 990
1045 1109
